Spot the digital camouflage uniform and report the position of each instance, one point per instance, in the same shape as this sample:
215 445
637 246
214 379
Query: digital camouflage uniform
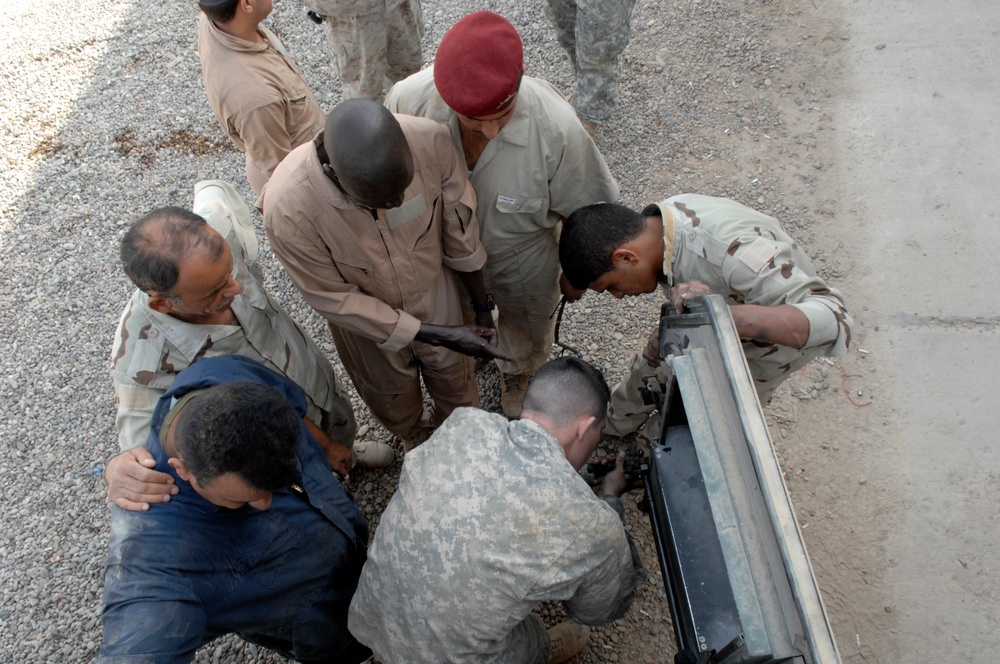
151 348
594 33
372 40
746 257
488 520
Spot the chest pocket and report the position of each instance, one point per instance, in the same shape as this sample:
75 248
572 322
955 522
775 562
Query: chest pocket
520 204
415 208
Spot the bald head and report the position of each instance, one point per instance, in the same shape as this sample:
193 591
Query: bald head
153 248
368 152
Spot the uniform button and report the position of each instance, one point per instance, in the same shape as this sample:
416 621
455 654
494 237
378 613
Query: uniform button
692 235
153 333
267 354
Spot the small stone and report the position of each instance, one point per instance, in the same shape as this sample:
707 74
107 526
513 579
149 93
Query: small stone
863 480
879 47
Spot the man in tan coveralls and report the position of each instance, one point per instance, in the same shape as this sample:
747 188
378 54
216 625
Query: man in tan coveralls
373 41
531 163
254 88
373 244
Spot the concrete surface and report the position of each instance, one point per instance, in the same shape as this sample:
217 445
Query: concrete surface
919 154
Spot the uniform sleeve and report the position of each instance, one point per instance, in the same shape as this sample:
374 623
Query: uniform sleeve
151 621
462 250
765 271
325 289
607 592
265 136
135 412
578 173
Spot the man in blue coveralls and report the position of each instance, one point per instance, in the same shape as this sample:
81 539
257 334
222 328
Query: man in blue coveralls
261 539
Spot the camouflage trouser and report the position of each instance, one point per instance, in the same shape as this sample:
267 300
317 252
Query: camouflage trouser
372 41
627 412
594 33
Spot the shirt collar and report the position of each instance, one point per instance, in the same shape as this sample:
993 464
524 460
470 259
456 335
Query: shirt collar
187 338
237 44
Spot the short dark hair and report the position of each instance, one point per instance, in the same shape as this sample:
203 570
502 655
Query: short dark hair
220 11
243 428
589 237
566 388
153 247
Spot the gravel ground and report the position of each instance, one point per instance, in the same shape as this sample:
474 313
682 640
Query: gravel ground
103 116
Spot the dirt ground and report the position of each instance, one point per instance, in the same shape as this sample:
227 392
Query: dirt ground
864 127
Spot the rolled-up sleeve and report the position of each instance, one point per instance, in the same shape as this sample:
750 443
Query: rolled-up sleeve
463 252
766 271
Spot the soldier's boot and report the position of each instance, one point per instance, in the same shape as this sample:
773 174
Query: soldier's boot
420 435
590 127
512 389
372 454
568 639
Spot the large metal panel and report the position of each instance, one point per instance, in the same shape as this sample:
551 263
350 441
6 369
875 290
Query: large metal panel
739 579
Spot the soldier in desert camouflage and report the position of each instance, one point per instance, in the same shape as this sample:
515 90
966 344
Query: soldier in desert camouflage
216 305
693 245
374 42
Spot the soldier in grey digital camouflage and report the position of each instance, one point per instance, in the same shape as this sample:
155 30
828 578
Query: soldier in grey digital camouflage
490 518
374 42
693 245
594 34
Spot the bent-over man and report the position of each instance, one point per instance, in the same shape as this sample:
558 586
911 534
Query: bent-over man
373 221
694 245
261 539
490 518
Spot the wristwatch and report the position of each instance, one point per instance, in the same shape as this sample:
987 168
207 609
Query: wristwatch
488 305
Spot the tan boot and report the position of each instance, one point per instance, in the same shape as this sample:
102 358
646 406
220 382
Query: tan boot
568 639
590 127
512 389
372 454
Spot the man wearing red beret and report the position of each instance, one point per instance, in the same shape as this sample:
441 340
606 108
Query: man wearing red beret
531 163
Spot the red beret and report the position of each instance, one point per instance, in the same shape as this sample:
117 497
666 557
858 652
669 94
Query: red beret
478 64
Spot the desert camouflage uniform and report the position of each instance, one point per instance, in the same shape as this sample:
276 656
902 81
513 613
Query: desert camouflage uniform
488 520
594 33
372 40
151 348
746 257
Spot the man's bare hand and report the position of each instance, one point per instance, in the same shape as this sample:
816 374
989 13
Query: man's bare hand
685 291
338 455
473 340
133 484
651 353
615 483
572 294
